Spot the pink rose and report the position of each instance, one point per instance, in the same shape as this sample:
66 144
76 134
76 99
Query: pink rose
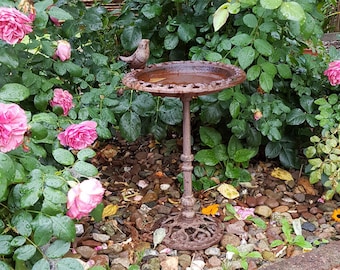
84 197
63 50
14 25
13 125
63 99
333 72
79 136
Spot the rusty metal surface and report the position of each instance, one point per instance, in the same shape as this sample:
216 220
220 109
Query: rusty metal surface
197 233
187 230
192 78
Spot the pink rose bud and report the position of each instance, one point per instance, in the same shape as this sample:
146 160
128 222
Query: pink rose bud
257 115
13 125
79 136
14 25
63 99
84 197
63 51
333 73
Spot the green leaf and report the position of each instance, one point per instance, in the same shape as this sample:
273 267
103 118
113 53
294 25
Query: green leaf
207 157
14 92
54 195
8 57
296 117
250 20
170 112
63 228
99 59
63 156
171 41
31 191
85 169
24 253
43 230
210 136
271 4
244 155
276 243
213 56
284 71
186 32
5 266
57 249
144 105
263 47
59 13
97 212
54 181
241 40
246 57
273 149
22 222
85 154
234 108
151 11
300 241
253 72
69 264
266 82
130 126
220 17
5 244
18 241
130 37
292 11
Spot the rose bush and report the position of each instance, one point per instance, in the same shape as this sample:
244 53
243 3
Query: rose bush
333 73
44 185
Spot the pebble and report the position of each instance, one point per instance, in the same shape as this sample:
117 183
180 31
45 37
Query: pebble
251 201
79 229
85 251
100 237
236 227
212 251
260 200
307 226
170 263
327 206
246 248
263 210
184 260
232 239
281 209
100 260
268 256
271 202
214 262
122 261
308 216
299 197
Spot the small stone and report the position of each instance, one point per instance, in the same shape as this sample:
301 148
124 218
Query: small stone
327 206
214 262
251 201
212 251
314 210
260 200
150 196
117 267
268 256
236 227
307 226
281 209
122 261
170 263
232 239
100 237
184 260
299 197
263 210
246 248
150 252
100 260
308 216
301 208
271 202
79 229
85 251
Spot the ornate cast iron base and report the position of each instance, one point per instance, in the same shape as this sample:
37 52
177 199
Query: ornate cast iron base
197 233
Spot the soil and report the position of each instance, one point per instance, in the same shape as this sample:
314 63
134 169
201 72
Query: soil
142 188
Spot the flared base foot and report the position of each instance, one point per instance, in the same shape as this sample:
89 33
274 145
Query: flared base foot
197 233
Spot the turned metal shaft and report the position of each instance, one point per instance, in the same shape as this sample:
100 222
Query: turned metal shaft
188 200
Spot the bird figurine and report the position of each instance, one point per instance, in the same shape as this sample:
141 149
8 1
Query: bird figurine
139 58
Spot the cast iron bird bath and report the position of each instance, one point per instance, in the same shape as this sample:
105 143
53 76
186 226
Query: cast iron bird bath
187 230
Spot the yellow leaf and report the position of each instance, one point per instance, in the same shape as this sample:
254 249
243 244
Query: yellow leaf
210 210
228 191
110 210
282 174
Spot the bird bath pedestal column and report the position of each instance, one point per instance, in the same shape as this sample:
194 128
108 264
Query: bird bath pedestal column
187 230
